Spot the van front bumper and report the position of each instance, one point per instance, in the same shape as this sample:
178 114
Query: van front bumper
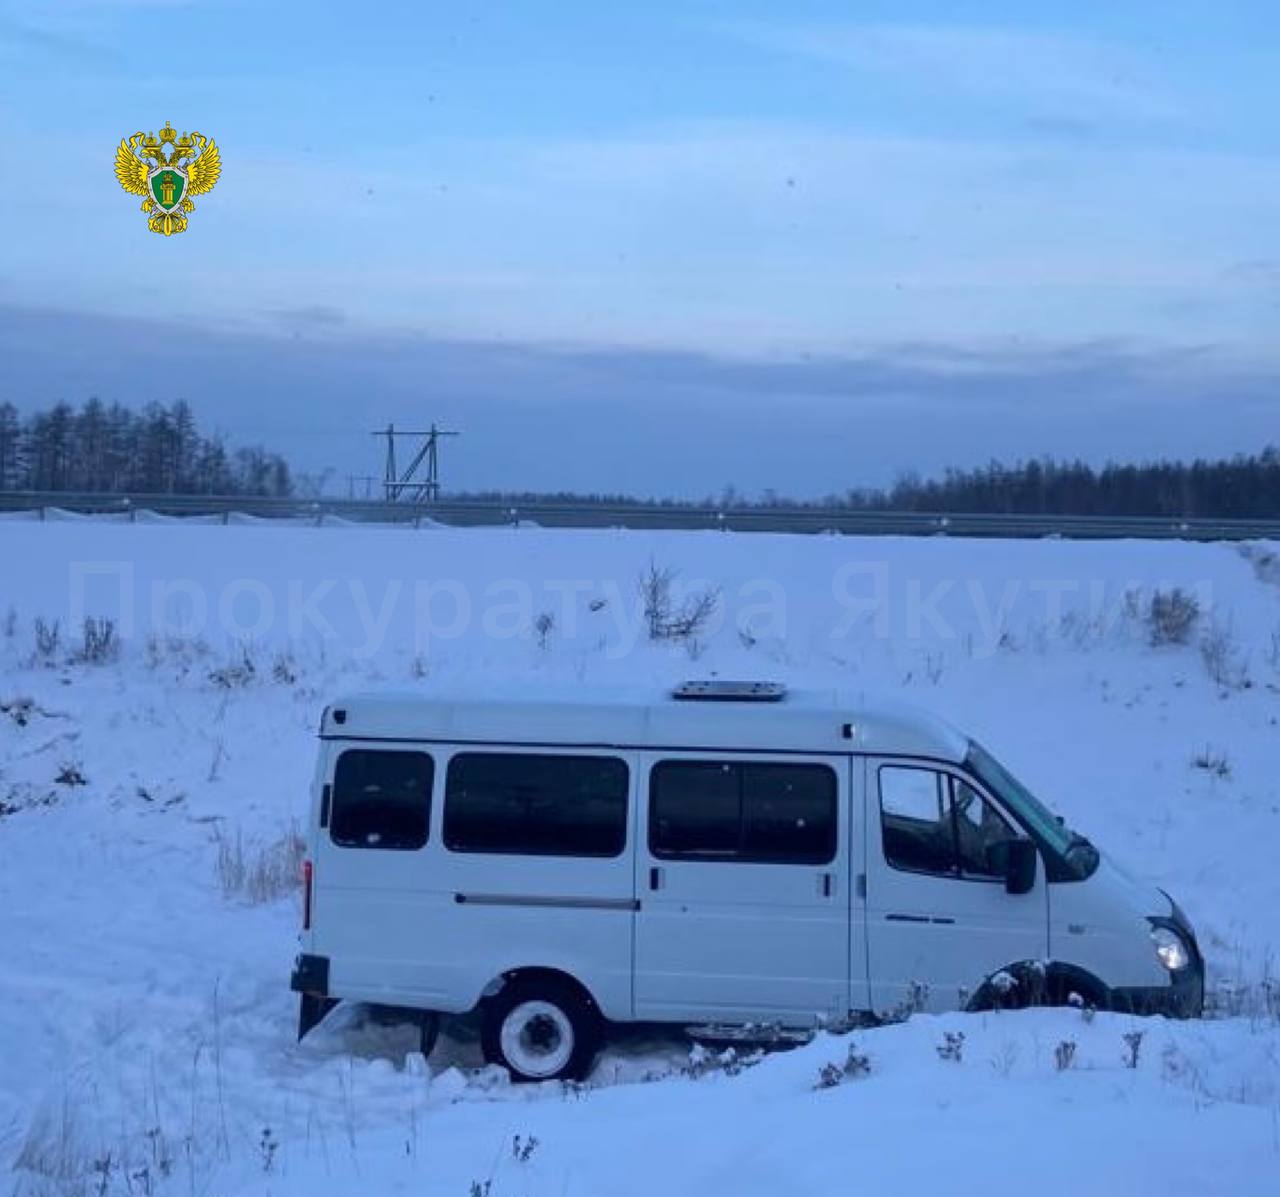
1183 997
310 979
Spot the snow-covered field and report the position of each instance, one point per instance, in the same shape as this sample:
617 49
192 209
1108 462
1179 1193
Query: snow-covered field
148 800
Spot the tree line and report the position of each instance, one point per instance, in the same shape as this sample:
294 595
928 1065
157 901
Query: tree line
1243 487
111 449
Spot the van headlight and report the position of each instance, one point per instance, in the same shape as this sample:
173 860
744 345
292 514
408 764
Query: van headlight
1171 948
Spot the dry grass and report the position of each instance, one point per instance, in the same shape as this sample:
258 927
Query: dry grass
260 872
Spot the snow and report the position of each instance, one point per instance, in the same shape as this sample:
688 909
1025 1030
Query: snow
146 1027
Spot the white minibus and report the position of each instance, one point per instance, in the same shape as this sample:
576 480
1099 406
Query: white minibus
728 856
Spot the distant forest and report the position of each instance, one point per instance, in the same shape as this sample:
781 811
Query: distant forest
159 450
105 449
1242 487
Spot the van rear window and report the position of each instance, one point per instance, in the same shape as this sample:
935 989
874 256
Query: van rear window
381 799
536 805
755 811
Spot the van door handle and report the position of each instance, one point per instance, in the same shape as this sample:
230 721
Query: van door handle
826 884
656 878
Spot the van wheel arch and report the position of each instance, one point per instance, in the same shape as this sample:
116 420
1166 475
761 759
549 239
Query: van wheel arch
1035 983
537 974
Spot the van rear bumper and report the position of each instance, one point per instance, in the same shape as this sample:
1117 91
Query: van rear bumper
310 979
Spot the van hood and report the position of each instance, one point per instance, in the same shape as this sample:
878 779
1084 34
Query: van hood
1143 897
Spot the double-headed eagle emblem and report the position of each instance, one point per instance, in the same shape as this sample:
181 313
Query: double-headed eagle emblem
168 170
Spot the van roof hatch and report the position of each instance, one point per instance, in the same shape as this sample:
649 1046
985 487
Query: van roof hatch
715 690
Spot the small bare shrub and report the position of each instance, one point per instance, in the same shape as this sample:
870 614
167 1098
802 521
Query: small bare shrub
543 626
268 1145
915 1000
1002 1063
856 1064
276 869
237 673
952 1047
655 593
1172 616
1213 761
260 872
1223 661
1132 1048
99 644
829 1076
180 652
10 624
231 866
284 670
70 775
48 639
663 619
522 1148
1064 1055
703 1061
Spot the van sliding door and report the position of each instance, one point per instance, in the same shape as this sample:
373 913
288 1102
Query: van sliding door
744 887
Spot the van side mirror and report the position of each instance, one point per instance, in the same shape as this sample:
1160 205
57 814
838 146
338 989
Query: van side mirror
1016 859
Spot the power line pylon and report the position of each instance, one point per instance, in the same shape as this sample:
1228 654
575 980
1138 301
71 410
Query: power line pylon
396 485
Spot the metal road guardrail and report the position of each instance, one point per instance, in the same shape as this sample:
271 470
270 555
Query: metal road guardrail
558 514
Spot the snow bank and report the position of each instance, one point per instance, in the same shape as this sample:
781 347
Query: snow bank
144 1010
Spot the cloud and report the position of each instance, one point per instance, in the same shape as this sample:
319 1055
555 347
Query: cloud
649 422
316 315
1072 77
1259 272
56 43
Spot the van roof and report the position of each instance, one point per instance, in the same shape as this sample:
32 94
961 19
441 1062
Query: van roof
819 721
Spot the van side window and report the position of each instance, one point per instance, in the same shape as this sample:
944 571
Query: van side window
979 826
381 799
521 803
934 822
759 812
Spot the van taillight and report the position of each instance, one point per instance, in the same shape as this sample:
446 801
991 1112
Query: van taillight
306 895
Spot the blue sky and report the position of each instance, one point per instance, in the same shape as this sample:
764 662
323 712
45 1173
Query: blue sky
859 216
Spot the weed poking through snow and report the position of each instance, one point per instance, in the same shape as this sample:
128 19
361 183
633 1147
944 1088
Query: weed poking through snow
543 626
1172 616
856 1064
261 872
1132 1048
99 643
1213 761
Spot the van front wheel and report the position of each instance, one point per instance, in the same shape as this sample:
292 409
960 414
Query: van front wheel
541 1030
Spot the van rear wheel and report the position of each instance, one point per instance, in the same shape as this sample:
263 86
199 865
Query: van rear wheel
541 1030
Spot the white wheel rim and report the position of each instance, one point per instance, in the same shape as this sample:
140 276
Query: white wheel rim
537 1039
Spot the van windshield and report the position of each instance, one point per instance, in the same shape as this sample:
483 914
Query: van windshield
1076 852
